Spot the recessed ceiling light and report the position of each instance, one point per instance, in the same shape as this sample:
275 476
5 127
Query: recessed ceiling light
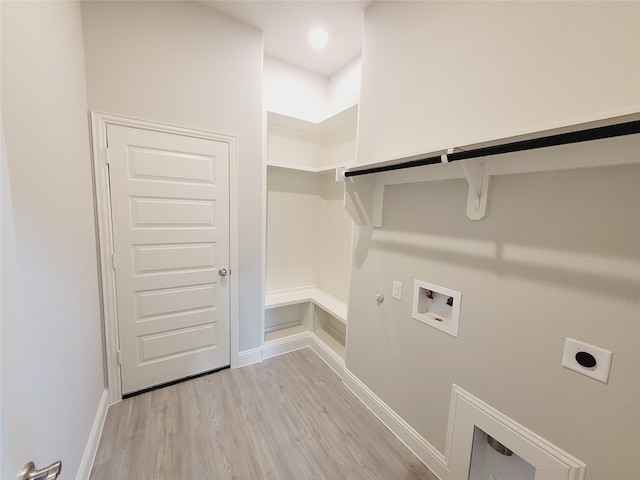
318 38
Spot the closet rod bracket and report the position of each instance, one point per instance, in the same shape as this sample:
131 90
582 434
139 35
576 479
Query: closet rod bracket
478 180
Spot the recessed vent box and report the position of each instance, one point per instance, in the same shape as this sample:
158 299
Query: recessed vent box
437 306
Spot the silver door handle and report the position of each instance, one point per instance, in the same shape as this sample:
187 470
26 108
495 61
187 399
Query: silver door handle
51 472
222 272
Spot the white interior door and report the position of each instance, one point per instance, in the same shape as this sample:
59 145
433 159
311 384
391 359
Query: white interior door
170 216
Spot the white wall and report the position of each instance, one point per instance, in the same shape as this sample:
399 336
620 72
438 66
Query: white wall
294 91
304 210
6 253
332 266
51 333
344 87
445 74
4 184
181 63
308 233
294 204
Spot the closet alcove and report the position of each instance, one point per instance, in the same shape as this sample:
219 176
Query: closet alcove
309 233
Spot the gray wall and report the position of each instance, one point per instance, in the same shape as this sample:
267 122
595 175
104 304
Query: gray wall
558 254
181 63
51 333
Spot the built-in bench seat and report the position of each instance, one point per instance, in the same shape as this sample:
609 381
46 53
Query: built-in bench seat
318 297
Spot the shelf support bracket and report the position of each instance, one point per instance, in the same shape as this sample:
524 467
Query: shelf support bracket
359 200
478 180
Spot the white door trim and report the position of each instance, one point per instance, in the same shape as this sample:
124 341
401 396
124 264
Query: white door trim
99 122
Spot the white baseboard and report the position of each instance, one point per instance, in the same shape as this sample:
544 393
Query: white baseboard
248 357
86 464
420 447
330 357
273 348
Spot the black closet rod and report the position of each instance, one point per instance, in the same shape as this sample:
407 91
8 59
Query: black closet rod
597 133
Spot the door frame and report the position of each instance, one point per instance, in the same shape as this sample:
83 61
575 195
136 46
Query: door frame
102 195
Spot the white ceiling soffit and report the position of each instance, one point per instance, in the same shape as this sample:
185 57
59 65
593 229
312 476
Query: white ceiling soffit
286 23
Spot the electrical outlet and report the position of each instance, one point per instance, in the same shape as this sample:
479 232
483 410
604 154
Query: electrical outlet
397 290
586 359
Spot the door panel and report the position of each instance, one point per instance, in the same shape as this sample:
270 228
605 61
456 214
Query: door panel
151 212
170 208
166 258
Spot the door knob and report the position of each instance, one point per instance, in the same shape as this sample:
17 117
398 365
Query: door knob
48 473
222 272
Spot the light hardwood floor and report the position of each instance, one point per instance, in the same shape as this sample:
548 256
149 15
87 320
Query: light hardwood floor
289 417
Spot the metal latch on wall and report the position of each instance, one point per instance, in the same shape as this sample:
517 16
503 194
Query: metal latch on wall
29 472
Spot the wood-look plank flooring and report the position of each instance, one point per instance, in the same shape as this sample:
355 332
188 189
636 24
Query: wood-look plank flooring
289 417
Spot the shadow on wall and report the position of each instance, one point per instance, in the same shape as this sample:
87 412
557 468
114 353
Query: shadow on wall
575 228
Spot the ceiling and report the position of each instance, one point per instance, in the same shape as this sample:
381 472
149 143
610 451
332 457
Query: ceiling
285 25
